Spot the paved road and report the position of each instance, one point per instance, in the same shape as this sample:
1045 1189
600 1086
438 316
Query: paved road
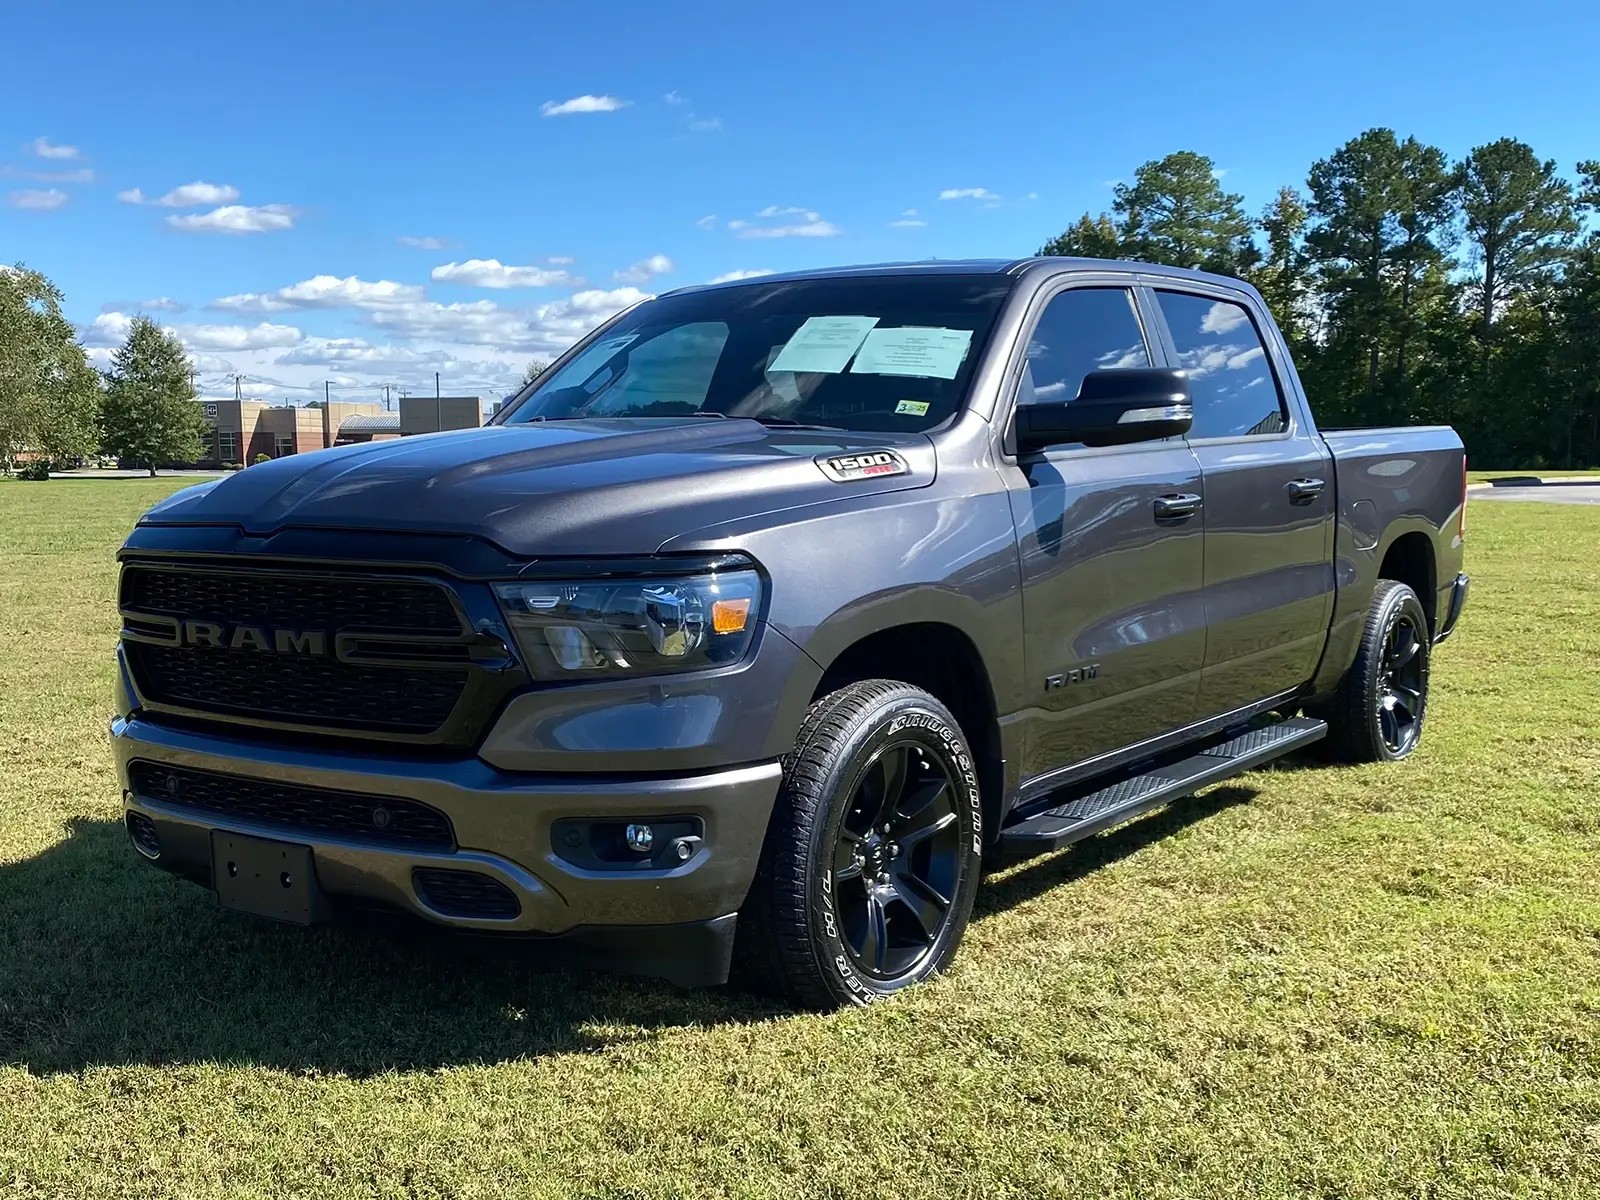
1550 493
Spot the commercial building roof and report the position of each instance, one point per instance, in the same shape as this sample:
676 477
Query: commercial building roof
373 423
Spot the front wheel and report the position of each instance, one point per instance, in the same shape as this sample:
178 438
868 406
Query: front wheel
1377 712
867 877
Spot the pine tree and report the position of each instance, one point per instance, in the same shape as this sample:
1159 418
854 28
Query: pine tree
1175 212
1090 237
150 417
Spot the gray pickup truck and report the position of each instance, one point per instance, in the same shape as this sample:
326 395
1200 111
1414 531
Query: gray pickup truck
774 613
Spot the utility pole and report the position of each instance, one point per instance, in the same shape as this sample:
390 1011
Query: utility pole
438 406
324 395
238 387
386 397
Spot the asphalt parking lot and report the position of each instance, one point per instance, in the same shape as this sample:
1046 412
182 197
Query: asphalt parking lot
1554 491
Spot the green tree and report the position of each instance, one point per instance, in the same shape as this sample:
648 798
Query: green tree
535 368
49 395
150 416
1090 237
1175 212
1520 221
1283 275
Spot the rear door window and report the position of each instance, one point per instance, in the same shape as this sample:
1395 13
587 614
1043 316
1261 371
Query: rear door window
1220 350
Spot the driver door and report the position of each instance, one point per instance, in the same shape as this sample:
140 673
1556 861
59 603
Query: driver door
1113 604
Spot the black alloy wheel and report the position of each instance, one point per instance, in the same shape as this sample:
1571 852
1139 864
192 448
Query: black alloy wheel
1378 711
873 854
1401 682
896 861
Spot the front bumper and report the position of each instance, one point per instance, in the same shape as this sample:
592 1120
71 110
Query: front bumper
502 826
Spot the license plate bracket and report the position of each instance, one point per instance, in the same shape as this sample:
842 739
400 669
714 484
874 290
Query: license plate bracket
265 878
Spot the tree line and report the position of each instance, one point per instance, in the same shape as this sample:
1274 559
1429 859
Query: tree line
55 408
1411 288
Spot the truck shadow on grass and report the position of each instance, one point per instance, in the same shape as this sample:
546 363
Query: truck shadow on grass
104 961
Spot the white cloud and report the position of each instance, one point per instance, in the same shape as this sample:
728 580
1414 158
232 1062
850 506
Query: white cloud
582 104
705 125
977 193
545 327
108 329
772 210
75 175
674 98
907 223
238 337
492 273
644 270
561 260
1221 317
189 195
1031 196
423 243
1218 172
237 218
323 291
731 276
158 304
44 148
709 221
357 352
39 200
809 229
910 212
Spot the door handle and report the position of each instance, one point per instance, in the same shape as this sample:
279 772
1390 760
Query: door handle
1303 489
1179 506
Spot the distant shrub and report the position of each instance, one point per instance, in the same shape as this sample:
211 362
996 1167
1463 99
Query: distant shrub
38 470
233 466
261 458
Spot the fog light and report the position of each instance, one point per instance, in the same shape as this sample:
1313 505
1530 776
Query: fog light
639 838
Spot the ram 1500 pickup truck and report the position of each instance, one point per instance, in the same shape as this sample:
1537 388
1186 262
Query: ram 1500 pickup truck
774 613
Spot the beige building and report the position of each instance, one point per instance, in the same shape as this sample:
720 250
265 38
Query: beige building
239 430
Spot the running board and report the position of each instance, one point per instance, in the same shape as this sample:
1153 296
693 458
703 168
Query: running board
1094 812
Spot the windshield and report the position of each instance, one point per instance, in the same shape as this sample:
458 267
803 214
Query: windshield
877 353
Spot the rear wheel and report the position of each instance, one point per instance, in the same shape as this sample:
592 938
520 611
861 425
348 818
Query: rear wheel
870 865
1377 713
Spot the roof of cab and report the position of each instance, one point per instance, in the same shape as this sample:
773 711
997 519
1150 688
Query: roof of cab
975 266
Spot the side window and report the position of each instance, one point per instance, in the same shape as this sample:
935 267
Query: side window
1220 350
666 375
1082 330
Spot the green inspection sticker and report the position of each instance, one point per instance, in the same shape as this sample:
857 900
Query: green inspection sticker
912 408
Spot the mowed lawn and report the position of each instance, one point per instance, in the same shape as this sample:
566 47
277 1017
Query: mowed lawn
1316 982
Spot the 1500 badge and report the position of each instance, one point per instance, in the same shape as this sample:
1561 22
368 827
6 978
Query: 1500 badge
845 468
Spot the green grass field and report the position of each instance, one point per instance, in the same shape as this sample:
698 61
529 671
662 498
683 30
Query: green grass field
1313 982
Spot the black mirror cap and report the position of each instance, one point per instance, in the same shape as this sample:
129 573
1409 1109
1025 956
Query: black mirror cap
1113 408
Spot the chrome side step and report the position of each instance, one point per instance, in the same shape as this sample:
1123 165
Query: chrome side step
1093 812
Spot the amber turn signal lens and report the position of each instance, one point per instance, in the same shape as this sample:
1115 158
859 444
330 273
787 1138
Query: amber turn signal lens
729 616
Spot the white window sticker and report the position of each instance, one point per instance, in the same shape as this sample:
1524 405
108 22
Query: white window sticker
926 351
823 344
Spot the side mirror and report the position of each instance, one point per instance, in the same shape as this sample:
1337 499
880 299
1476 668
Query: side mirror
1113 408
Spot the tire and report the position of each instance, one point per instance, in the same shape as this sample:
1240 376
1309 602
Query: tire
1377 712
840 912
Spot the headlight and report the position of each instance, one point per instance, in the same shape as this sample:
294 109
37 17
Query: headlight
600 628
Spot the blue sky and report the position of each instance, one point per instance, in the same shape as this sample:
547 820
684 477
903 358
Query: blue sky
715 138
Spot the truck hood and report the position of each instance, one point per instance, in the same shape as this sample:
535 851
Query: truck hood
608 487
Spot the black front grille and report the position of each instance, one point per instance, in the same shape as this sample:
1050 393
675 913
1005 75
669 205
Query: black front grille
465 894
384 820
296 600
414 698
297 688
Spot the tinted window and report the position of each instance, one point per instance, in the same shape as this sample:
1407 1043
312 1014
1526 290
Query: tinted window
714 351
1083 330
1229 376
